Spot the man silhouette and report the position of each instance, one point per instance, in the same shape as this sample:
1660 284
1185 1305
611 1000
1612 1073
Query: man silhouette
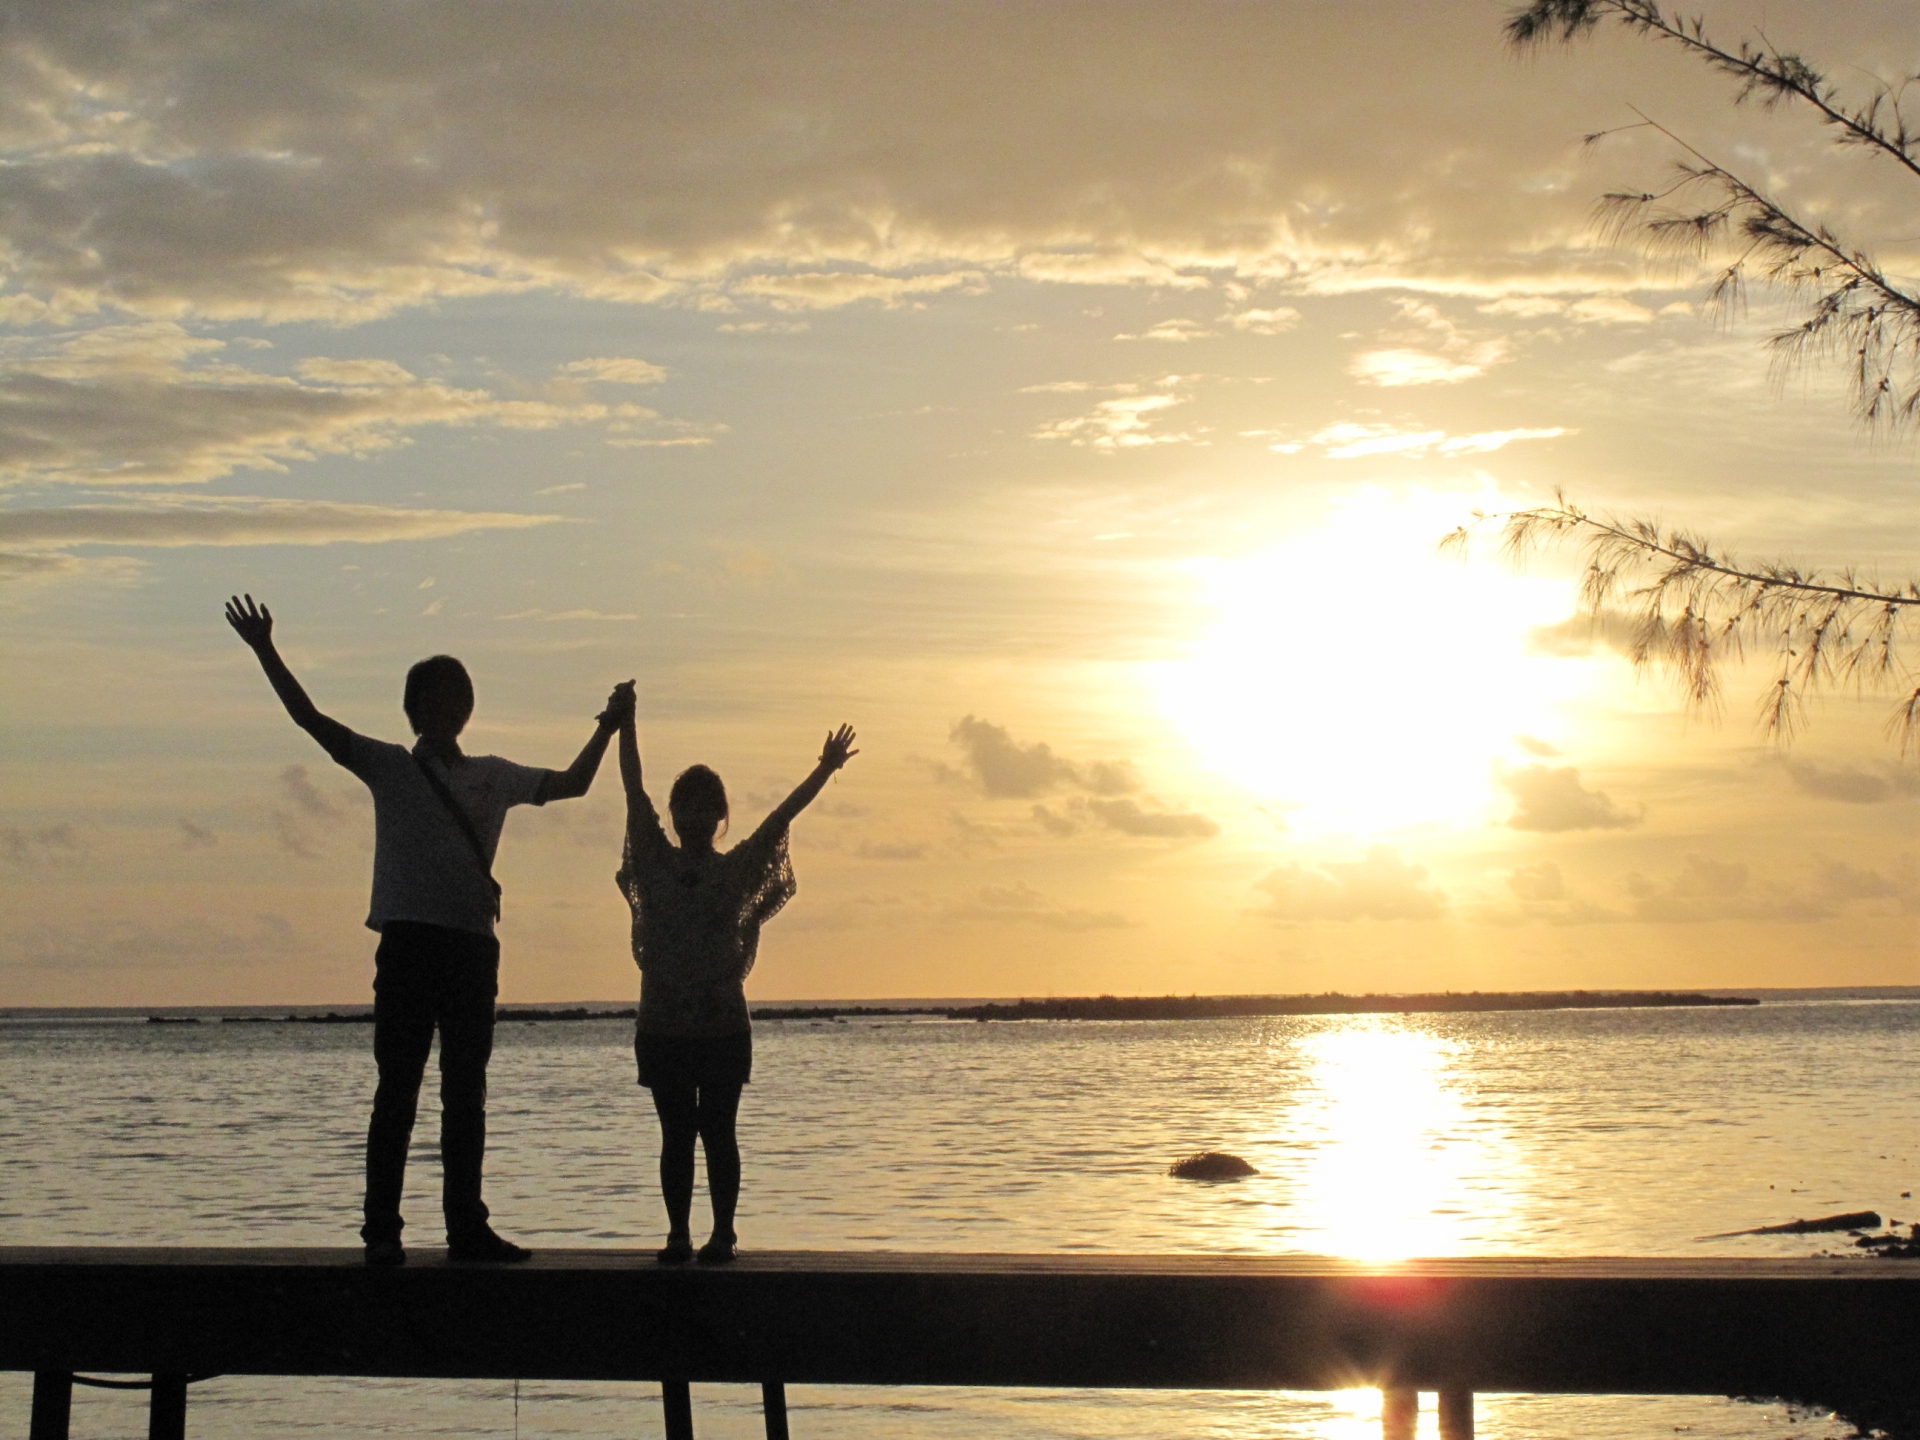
437 817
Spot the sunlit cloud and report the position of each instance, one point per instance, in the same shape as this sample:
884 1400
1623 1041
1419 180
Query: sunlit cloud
568 615
1350 440
616 370
1126 421
1393 368
826 290
1274 321
1178 331
176 520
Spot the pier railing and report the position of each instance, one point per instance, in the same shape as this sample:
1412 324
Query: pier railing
1809 1327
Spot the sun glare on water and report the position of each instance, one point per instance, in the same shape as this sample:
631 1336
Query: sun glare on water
1399 1165
1364 682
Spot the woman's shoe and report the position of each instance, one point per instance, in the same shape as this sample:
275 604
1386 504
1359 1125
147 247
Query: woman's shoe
718 1251
675 1252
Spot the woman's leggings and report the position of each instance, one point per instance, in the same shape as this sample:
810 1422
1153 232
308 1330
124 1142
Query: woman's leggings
707 1111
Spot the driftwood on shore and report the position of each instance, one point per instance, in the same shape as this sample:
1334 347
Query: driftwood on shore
1826 1224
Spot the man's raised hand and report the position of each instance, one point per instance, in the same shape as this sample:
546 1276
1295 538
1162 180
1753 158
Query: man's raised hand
839 748
252 623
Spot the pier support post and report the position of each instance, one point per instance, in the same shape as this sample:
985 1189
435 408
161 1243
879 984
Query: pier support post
677 1401
167 1409
773 1405
1399 1413
1456 1415
52 1405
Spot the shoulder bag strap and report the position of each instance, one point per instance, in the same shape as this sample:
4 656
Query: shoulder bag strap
465 823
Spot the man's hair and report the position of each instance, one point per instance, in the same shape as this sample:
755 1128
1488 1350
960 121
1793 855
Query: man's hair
437 674
697 784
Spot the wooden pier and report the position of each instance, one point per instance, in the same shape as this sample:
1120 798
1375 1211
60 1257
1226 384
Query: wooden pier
1570 1326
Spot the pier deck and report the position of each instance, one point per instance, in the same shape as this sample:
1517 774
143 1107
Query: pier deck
1597 1326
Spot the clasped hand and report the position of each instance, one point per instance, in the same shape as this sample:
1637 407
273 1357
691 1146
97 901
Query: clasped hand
620 706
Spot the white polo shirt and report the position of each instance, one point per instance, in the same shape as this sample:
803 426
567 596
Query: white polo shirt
423 867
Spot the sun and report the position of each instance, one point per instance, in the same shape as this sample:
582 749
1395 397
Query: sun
1363 682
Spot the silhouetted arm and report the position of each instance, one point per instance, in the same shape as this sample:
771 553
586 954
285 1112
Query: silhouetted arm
834 754
254 624
645 838
577 778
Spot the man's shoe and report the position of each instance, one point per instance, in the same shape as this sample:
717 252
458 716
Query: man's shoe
386 1253
486 1248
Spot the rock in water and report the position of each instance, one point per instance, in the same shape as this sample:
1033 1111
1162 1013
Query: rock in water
1211 1165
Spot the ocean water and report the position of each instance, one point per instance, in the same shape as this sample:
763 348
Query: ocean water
1571 1132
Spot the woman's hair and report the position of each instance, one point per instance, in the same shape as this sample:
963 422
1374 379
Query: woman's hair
698 785
440 674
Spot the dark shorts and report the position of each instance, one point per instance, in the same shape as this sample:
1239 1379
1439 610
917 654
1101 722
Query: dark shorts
693 1060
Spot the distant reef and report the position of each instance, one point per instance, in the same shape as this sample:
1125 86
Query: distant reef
1209 1007
1116 1007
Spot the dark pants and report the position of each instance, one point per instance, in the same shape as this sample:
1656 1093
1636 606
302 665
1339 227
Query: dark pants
427 976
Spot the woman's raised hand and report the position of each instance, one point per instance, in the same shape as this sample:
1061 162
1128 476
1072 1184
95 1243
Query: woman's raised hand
252 623
839 748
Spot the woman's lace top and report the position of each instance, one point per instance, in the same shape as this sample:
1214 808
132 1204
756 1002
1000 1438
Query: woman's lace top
696 922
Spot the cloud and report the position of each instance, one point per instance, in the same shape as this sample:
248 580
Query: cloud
568 615
176 520
1609 310
1126 421
1535 746
1178 331
1397 367
1551 799
128 945
827 290
1841 880
1538 882
144 405
1006 769
615 370
1705 889
1351 441
1380 887
235 161
1057 825
1274 321
195 837
310 815
1021 904
1427 348
1580 635
1129 819
1854 784
14 567
27 847
890 850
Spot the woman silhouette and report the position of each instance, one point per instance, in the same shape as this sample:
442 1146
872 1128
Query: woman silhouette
697 913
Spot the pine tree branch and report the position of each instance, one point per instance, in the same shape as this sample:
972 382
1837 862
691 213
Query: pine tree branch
1878 125
1694 609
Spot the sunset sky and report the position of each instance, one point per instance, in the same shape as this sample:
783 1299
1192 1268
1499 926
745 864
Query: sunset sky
1068 395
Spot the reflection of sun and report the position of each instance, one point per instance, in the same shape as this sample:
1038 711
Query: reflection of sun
1394 1157
1362 679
